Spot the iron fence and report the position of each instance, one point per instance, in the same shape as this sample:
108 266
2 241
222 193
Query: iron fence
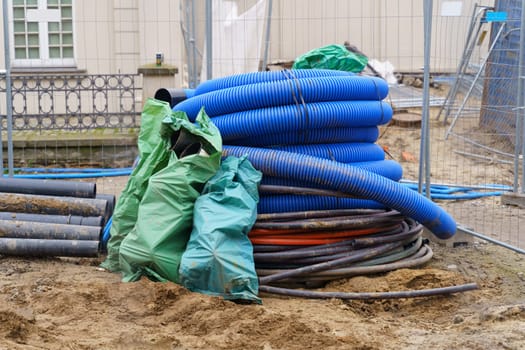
73 102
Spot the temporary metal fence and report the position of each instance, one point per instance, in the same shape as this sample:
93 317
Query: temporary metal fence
472 127
477 133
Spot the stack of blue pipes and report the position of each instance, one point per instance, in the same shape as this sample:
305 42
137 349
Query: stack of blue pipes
313 129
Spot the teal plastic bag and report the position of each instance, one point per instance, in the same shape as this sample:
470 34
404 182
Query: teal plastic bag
219 257
165 215
152 157
335 57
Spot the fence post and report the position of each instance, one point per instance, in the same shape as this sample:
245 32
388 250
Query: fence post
520 112
8 96
424 159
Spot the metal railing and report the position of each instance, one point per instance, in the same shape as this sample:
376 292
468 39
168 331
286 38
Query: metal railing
73 102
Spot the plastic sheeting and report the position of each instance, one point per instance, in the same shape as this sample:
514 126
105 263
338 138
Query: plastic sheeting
125 213
335 57
153 217
237 38
154 246
219 257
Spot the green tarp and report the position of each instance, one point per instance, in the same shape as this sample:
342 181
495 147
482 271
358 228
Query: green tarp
125 212
219 257
154 214
335 57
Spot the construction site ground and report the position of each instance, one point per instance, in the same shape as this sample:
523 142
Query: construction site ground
70 303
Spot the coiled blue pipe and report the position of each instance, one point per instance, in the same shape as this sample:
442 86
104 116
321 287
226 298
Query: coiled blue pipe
315 115
340 152
352 180
301 137
279 93
386 168
260 77
289 203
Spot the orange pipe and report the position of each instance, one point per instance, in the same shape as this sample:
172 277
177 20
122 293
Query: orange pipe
294 241
284 237
338 233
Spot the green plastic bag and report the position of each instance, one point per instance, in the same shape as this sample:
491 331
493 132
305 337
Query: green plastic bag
219 257
152 158
165 215
335 57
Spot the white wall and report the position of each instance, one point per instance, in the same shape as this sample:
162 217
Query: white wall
120 35
385 30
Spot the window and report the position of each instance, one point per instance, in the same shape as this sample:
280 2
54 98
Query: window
42 33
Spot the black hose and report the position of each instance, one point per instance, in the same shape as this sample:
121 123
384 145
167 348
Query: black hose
274 189
284 253
323 258
368 296
315 214
420 257
342 222
362 254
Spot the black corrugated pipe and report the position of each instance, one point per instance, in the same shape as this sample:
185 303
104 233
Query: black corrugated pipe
28 229
24 203
171 95
110 198
48 187
55 219
48 247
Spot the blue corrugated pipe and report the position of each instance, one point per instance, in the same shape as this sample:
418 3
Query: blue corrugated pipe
386 168
289 203
352 180
315 115
301 137
261 77
246 94
280 93
340 152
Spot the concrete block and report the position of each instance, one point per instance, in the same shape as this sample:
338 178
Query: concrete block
511 198
459 239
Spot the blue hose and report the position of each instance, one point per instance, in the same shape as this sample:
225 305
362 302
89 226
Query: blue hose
69 170
451 193
279 93
352 180
260 77
86 175
315 115
106 232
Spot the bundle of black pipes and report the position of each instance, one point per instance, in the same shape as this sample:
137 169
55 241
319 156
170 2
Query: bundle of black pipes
52 217
330 204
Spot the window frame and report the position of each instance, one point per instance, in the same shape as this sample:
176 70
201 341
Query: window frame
44 61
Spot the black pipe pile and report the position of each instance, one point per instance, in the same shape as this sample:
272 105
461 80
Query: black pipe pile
291 258
309 249
52 217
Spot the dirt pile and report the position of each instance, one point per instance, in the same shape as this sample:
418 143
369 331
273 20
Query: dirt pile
71 303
